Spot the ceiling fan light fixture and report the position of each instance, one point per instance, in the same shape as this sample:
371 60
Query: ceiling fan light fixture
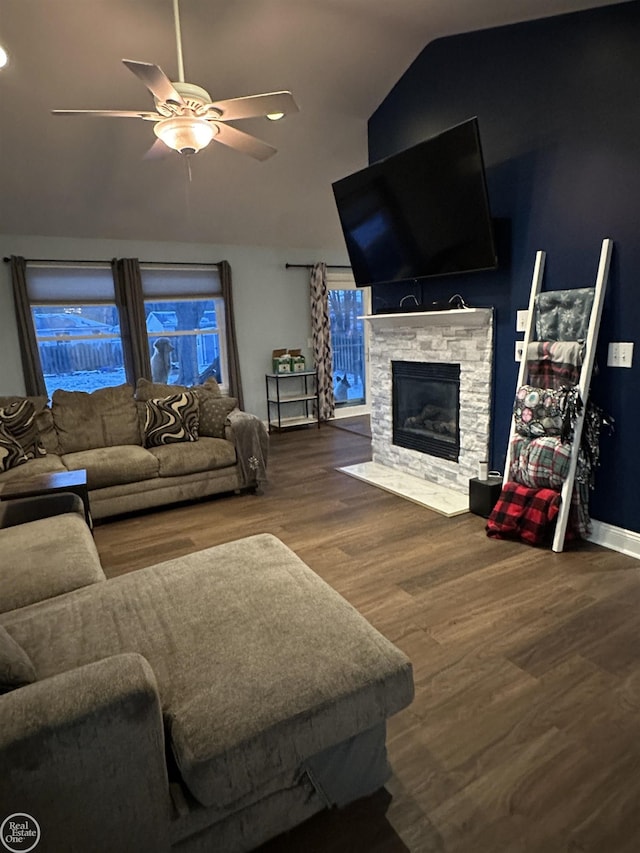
186 134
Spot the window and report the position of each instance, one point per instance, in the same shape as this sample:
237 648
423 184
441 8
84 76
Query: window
77 326
349 341
185 324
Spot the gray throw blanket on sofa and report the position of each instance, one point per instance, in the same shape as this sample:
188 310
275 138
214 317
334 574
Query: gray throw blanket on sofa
252 447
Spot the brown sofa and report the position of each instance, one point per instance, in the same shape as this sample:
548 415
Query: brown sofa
204 704
104 433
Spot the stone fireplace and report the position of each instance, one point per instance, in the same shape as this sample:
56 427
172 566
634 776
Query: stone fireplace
426 442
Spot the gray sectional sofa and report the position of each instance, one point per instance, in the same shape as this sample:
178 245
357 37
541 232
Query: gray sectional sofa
206 703
104 433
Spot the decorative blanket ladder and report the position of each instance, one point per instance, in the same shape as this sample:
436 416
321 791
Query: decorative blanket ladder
584 382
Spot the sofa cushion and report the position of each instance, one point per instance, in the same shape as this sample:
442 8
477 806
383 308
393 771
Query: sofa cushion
259 663
106 417
11 453
45 558
112 466
147 390
16 669
206 454
49 464
172 419
47 430
209 385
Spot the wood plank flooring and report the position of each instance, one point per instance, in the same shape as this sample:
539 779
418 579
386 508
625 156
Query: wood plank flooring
524 736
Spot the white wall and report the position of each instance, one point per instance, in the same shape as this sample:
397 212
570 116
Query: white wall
271 303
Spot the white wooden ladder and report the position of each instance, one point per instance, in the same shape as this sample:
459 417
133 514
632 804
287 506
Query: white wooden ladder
584 382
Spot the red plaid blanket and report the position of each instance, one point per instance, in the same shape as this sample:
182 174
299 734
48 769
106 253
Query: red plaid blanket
524 513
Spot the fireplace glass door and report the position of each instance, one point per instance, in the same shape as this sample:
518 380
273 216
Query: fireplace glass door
426 407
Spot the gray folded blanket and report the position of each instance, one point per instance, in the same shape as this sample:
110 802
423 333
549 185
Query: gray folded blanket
251 439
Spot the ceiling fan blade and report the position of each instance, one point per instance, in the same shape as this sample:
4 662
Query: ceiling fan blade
155 80
243 142
147 116
157 151
256 105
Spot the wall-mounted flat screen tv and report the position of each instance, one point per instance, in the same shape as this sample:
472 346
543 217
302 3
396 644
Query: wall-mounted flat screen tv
419 213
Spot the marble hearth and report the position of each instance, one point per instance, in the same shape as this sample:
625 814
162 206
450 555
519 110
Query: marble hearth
463 337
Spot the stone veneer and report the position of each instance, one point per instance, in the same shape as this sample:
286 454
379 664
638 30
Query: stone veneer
435 337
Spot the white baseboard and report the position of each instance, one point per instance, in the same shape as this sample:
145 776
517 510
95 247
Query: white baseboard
615 538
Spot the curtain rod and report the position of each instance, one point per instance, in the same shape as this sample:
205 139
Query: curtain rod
94 261
165 263
309 266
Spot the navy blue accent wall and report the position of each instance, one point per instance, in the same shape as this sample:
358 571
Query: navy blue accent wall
558 103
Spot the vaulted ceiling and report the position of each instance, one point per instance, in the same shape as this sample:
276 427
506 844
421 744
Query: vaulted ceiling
86 177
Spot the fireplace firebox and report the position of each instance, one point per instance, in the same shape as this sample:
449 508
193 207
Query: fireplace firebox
426 407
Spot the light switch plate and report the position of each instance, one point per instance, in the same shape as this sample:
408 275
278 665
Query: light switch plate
620 354
521 320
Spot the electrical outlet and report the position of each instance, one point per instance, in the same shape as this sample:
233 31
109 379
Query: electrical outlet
519 350
309 343
521 320
620 355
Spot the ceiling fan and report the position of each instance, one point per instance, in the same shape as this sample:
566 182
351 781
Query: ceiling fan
187 120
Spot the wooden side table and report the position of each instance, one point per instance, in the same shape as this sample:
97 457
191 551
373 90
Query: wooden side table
49 484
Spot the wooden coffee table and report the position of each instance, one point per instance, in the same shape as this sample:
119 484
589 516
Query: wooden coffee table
48 484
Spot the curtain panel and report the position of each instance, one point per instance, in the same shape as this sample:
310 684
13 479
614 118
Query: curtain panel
321 334
133 323
233 360
32 370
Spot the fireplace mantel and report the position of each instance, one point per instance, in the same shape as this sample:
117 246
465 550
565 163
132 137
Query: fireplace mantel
463 317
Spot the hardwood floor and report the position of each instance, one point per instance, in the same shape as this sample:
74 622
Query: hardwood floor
524 736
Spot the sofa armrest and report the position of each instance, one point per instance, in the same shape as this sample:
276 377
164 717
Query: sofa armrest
82 752
22 510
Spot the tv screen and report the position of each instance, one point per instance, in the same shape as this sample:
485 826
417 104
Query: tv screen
423 212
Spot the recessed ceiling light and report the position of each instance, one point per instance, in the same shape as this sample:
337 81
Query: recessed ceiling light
275 116
4 57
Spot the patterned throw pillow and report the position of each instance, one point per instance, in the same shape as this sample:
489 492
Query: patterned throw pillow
19 420
171 419
11 454
214 411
